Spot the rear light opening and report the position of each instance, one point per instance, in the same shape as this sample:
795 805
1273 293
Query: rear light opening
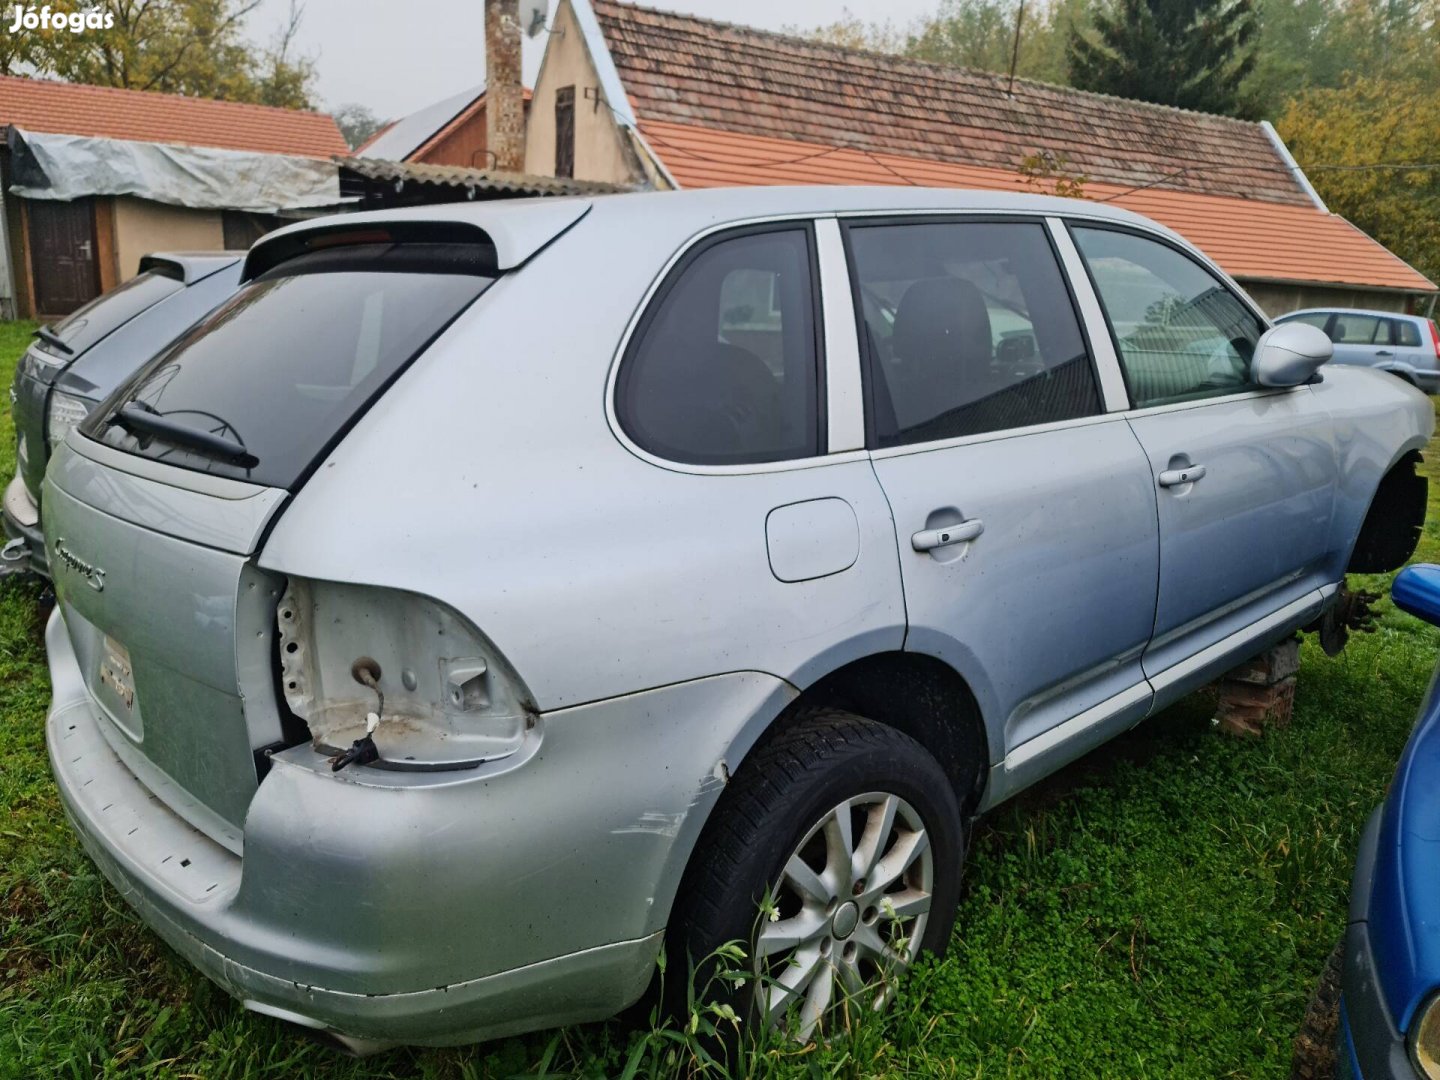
1434 336
430 690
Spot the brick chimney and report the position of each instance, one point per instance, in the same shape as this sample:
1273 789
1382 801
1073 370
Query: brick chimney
504 94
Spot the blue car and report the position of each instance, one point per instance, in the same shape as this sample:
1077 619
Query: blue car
1389 966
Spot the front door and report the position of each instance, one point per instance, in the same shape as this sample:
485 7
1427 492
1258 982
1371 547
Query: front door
1245 476
62 253
1025 516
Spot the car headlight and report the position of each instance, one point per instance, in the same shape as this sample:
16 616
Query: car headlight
64 413
1425 1039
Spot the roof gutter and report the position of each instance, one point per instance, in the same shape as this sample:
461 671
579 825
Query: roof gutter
1294 166
1396 290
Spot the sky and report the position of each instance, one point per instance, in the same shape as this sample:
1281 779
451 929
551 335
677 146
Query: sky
397 57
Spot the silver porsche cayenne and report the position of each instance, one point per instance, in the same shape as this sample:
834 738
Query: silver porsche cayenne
487 597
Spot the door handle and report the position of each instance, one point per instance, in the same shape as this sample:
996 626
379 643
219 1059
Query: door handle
930 539
1187 475
1383 352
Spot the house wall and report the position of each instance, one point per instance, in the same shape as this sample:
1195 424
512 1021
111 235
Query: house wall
1277 299
602 150
142 226
463 145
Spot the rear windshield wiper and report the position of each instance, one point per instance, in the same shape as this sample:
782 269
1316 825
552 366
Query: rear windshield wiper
54 340
135 416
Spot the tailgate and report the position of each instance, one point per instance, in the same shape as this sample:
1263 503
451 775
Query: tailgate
172 626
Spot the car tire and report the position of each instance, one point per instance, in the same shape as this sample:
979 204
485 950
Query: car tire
785 804
1315 1045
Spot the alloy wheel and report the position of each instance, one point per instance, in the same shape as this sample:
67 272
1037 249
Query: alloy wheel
847 915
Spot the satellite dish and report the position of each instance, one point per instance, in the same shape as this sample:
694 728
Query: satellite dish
534 14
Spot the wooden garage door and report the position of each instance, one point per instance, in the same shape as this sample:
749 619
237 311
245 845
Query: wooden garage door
62 252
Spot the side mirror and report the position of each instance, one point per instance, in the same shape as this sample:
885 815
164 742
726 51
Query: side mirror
1417 590
1290 354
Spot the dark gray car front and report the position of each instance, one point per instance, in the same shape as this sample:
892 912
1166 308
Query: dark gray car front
75 364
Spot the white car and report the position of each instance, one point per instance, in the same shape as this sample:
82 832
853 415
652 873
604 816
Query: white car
488 594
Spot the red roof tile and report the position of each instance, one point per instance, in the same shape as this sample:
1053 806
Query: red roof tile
106 112
685 70
1253 239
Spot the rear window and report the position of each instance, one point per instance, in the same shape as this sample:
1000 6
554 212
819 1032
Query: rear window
1407 334
106 314
262 388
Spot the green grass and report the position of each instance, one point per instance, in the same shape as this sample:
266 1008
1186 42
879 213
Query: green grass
1159 909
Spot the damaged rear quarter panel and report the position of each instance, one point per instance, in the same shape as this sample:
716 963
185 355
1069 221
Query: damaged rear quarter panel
593 825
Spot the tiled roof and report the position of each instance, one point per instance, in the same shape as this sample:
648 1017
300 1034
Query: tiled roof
1253 239
110 113
693 71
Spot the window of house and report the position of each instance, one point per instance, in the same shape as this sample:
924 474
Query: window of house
969 328
1182 335
565 131
723 369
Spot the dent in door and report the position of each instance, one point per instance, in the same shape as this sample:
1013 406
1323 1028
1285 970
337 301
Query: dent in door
812 539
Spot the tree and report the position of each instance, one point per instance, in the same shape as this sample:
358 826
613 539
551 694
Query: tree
851 32
1191 53
978 34
981 34
1369 148
357 124
192 47
1311 44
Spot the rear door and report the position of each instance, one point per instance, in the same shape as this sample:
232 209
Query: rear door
1411 345
1245 476
1024 513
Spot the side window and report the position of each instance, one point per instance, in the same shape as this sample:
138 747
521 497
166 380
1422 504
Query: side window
1182 335
969 328
1317 319
722 370
1407 333
1351 329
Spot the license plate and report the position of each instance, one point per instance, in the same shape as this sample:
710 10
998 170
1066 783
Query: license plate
117 677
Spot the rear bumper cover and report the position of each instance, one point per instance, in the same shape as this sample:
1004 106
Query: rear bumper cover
21 519
402 908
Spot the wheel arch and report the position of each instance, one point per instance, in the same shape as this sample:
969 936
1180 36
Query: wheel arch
1390 530
915 693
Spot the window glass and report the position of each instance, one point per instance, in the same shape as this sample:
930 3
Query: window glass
106 314
284 366
1406 333
969 329
1311 318
1182 335
1351 329
723 371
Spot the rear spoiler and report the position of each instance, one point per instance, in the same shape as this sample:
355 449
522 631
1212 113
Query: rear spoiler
515 231
188 268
